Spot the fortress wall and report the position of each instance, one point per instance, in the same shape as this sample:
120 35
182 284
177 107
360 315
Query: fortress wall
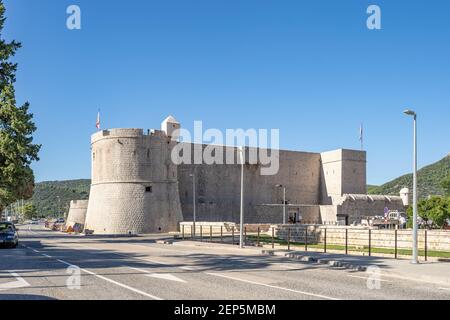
77 212
134 184
127 208
354 176
343 171
218 187
369 206
328 214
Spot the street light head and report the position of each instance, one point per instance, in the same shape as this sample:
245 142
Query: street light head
278 186
409 112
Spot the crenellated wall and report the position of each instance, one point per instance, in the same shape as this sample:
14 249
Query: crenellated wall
134 184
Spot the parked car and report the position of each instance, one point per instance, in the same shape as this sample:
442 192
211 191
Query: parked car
9 237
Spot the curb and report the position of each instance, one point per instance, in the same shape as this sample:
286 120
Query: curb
166 242
310 259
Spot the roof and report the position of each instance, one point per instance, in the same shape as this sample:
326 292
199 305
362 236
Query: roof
171 119
366 197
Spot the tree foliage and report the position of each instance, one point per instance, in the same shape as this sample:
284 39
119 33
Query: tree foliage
17 150
446 185
434 211
29 211
52 198
430 181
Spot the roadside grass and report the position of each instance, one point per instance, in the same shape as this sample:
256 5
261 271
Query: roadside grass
355 249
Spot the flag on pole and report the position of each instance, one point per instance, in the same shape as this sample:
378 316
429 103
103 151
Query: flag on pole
98 121
361 136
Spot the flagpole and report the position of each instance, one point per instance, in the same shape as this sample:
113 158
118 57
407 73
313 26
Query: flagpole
361 138
98 124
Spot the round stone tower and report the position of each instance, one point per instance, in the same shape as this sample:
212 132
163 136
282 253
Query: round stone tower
77 212
134 183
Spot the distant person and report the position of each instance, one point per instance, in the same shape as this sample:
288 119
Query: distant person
402 221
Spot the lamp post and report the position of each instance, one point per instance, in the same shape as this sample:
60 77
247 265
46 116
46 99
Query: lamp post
194 202
59 207
241 231
415 259
284 201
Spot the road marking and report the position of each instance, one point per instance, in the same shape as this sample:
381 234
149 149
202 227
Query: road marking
366 278
272 287
46 255
188 268
112 281
109 280
19 283
445 289
164 276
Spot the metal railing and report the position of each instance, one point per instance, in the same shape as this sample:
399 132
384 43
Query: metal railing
396 243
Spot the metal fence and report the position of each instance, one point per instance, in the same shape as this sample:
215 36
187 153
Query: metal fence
348 241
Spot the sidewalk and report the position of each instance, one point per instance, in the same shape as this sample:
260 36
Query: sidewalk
431 272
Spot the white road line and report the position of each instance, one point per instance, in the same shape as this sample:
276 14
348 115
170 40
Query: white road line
188 268
272 287
110 280
366 278
19 283
46 255
163 276
138 269
127 256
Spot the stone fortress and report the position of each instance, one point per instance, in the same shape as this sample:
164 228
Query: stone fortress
76 216
137 189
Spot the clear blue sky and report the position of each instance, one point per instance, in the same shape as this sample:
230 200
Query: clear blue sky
310 68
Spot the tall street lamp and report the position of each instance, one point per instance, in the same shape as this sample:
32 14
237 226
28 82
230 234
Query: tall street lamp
194 202
59 206
241 231
284 201
415 259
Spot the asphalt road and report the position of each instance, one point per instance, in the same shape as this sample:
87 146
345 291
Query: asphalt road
46 266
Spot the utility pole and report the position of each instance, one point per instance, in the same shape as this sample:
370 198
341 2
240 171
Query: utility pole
415 259
241 233
284 201
194 202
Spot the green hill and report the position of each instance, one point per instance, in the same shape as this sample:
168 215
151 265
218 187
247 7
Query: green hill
46 195
430 180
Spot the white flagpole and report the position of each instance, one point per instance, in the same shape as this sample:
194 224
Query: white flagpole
98 123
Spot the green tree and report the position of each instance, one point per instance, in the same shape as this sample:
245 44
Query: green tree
29 211
17 150
435 209
446 185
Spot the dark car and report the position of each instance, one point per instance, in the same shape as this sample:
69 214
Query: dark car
9 237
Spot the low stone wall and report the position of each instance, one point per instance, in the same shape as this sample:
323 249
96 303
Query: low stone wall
438 240
297 233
